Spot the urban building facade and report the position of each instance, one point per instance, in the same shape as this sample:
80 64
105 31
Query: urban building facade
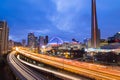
95 31
115 38
36 42
23 42
46 40
70 45
11 44
41 41
31 40
4 33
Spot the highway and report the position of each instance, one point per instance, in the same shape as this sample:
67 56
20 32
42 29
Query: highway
61 74
94 71
21 71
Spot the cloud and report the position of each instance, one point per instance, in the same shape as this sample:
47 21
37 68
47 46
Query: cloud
63 24
11 37
66 13
55 17
43 31
15 38
66 5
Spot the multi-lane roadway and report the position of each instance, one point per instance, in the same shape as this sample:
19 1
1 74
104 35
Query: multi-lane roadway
21 71
87 69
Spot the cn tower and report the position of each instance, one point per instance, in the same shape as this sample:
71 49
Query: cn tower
95 31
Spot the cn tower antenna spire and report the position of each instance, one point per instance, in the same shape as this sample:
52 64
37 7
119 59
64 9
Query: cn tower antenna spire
95 32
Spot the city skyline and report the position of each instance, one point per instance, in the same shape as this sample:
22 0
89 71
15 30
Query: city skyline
65 19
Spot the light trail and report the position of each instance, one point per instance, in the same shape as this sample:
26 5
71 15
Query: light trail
86 69
21 71
66 76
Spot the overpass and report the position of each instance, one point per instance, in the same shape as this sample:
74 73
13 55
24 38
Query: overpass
25 70
93 71
21 71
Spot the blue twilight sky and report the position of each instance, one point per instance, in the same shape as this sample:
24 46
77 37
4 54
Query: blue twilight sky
66 19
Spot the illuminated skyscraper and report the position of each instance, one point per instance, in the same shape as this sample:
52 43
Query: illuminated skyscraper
31 40
95 31
10 44
36 42
41 41
4 33
24 42
46 40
